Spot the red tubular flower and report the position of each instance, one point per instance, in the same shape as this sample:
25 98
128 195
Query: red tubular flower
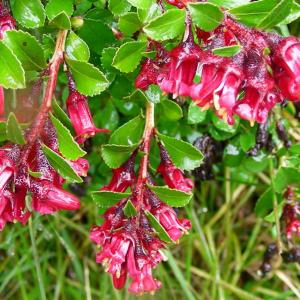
173 176
7 22
7 169
81 117
173 226
148 74
182 69
123 177
47 198
292 221
178 3
286 61
80 166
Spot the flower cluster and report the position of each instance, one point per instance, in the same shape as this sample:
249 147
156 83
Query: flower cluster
249 84
24 170
130 245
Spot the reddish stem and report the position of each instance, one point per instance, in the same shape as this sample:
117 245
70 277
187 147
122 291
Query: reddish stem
53 68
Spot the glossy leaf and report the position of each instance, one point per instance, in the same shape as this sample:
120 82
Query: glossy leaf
119 7
55 7
13 130
196 114
129 209
68 147
29 13
61 21
61 115
106 199
142 4
12 75
27 49
128 56
227 51
61 165
174 198
129 23
184 155
89 80
285 177
76 48
171 110
206 16
264 204
167 26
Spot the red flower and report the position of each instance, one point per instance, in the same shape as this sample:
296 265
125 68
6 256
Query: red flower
173 176
47 198
80 166
7 22
292 221
148 74
181 70
123 177
173 226
81 117
7 169
286 61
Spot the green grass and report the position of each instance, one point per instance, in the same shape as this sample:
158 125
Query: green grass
52 257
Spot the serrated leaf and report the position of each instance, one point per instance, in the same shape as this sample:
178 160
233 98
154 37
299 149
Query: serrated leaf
130 133
293 15
264 204
195 114
12 75
129 23
161 232
106 199
247 140
285 177
61 165
76 48
61 115
27 49
153 93
29 13
68 147
172 197
128 56
229 3
147 15
89 80
55 7
13 130
129 209
227 51
115 155
171 110
118 7
276 15
142 4
167 26
253 13
61 21
184 155
206 16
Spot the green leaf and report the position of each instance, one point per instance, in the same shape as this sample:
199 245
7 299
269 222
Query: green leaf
206 16
61 115
174 198
55 7
264 204
229 3
129 23
89 80
29 13
276 15
12 75
167 26
161 232
61 21
247 140
61 165
129 209
118 7
147 15
253 13
171 110
106 199
76 48
142 4
224 126
27 49
13 130
227 51
128 56
3 134
184 155
195 114
35 174
153 93
285 177
115 155
130 133
293 15
68 147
